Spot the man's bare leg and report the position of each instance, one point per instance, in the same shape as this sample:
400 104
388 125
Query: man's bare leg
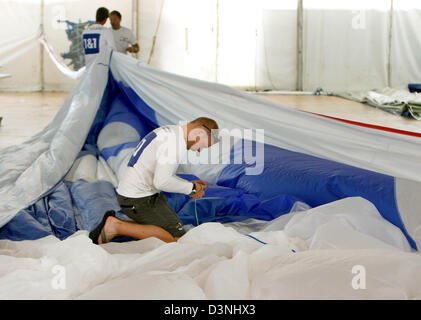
115 227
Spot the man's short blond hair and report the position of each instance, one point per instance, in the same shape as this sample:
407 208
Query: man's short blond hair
209 124
206 122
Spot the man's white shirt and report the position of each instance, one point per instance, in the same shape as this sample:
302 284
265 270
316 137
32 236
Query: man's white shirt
123 38
94 38
153 165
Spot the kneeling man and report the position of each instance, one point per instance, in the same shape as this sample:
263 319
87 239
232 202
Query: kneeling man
152 169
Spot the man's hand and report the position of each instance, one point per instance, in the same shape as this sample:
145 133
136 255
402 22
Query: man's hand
200 189
203 183
133 49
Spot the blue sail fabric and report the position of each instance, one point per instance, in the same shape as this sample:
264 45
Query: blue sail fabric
81 205
314 180
223 204
54 215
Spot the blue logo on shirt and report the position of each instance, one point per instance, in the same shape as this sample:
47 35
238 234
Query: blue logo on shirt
140 147
91 43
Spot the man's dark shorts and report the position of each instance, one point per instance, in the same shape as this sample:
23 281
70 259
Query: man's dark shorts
153 210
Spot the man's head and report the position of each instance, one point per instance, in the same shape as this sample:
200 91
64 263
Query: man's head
201 133
102 15
115 19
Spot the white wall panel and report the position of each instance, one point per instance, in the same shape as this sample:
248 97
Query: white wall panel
406 43
185 38
346 44
276 57
19 48
251 44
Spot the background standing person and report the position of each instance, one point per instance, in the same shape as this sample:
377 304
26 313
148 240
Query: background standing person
123 37
96 36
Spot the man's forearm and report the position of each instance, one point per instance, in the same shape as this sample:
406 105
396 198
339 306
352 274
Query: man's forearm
174 184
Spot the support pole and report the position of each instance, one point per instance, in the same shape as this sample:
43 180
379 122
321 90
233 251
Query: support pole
41 48
389 58
156 32
300 14
135 22
217 41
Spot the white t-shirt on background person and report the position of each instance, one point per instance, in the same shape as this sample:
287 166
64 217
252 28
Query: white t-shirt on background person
123 38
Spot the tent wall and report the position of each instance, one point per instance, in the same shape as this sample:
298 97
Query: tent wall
406 43
19 50
346 48
185 37
257 45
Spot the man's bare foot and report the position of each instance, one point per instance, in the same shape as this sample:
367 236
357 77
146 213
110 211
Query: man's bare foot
109 229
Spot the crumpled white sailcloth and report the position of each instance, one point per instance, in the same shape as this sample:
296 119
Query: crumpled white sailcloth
320 253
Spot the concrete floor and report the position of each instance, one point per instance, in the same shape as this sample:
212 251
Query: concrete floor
346 109
25 114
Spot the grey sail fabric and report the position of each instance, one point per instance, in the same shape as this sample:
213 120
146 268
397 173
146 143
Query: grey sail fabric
396 101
